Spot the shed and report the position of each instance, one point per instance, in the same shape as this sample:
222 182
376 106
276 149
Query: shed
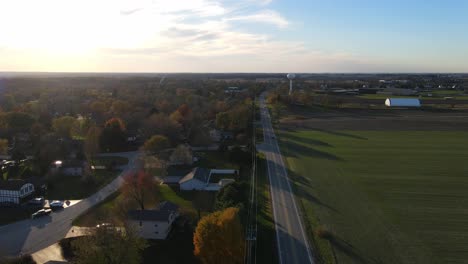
403 102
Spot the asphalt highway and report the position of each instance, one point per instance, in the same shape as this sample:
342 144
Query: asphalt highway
292 243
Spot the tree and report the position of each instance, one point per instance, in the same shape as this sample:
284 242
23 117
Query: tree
49 150
63 125
182 155
91 143
3 146
138 186
183 115
160 124
232 195
219 238
222 120
109 246
8 102
113 137
80 127
156 144
19 122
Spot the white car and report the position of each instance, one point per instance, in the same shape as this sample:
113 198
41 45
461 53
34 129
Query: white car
56 203
40 213
37 201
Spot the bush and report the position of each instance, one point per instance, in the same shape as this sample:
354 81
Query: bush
323 232
66 247
26 259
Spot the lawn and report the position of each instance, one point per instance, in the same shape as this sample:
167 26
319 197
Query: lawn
387 197
102 212
72 188
215 160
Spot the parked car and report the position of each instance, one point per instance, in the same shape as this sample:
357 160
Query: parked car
37 201
56 204
40 213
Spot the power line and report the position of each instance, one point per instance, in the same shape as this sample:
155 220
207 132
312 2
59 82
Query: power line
251 230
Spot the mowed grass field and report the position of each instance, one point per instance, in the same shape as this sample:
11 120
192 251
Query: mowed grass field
387 196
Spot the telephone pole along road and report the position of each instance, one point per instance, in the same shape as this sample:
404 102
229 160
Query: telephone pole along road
292 243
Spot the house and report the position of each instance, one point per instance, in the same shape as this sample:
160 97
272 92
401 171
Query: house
201 179
17 191
69 167
155 223
403 102
233 90
197 179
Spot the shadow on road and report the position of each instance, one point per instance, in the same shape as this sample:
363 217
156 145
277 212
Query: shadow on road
291 249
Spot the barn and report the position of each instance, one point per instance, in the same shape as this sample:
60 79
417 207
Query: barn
403 102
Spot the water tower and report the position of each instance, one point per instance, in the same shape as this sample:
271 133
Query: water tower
291 77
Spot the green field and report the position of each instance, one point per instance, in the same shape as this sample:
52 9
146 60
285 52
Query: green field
387 197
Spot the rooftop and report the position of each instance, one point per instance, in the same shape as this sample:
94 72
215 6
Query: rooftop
160 213
198 173
12 185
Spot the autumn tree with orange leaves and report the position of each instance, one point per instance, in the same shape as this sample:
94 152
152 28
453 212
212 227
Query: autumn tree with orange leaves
138 186
219 238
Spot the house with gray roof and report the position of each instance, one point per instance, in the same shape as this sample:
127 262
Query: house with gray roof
155 223
201 179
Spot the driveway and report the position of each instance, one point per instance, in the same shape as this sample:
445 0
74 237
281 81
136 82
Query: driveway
29 236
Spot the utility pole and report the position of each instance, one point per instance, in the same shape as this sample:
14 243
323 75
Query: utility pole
251 230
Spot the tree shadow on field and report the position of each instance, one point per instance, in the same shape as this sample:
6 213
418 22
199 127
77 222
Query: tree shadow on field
310 141
348 249
295 150
336 133
298 178
303 194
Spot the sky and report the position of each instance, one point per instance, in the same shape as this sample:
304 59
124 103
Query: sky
234 36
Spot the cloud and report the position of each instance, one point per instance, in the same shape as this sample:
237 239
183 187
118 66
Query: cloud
264 16
151 35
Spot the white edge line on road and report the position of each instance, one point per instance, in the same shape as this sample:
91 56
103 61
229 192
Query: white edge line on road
306 240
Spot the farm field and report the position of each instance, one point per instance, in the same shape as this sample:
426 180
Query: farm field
386 196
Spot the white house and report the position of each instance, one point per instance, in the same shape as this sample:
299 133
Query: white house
197 179
201 179
403 102
156 223
15 191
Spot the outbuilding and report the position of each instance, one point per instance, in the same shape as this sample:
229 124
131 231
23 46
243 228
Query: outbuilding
403 102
